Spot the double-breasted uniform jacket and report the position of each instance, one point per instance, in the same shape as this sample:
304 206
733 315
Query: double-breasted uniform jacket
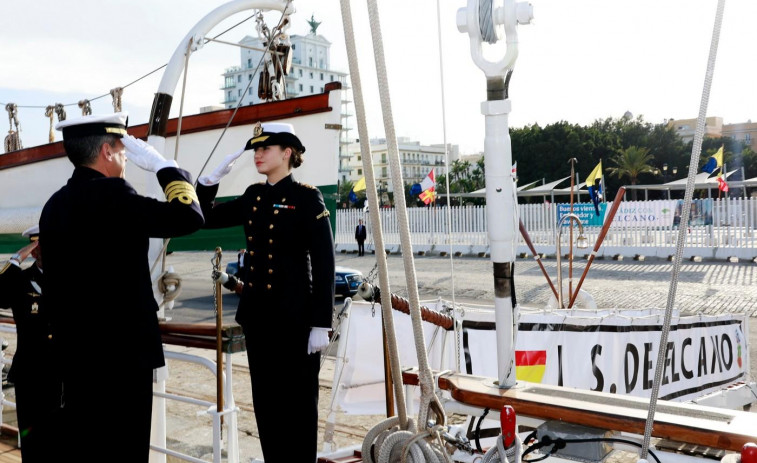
288 269
34 369
21 291
95 232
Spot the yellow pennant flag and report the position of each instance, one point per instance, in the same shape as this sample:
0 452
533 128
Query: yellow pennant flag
359 185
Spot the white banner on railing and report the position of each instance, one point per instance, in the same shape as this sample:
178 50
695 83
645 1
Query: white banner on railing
617 351
609 351
644 214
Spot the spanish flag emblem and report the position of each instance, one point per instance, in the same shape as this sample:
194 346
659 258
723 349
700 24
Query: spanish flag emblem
530 365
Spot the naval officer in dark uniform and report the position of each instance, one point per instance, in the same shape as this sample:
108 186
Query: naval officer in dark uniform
33 371
287 300
96 231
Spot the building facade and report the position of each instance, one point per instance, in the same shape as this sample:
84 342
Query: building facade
311 71
745 132
417 161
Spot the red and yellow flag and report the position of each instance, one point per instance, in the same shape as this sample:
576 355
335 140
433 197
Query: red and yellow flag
428 195
530 365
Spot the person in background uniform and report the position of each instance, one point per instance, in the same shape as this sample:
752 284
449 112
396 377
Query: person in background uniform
360 235
33 372
104 314
288 283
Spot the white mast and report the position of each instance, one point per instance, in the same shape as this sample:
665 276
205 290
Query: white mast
484 20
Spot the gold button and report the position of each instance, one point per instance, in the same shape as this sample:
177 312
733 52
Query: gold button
249 284
268 286
252 268
270 271
270 256
270 241
254 208
270 227
258 198
276 212
283 200
49 336
249 238
252 253
249 222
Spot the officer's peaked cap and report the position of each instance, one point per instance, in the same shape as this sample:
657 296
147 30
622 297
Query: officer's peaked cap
109 124
32 233
275 133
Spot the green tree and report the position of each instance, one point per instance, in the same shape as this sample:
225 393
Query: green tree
631 162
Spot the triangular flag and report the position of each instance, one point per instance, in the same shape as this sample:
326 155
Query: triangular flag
359 185
594 185
428 182
714 161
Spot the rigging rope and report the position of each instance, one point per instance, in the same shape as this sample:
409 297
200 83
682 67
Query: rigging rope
682 229
373 208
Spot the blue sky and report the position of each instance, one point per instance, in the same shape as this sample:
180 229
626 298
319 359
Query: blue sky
578 61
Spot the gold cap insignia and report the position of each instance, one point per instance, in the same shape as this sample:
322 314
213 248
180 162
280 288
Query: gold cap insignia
257 129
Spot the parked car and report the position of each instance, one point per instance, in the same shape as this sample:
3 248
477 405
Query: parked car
346 280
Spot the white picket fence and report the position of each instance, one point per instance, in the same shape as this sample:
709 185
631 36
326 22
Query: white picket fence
461 230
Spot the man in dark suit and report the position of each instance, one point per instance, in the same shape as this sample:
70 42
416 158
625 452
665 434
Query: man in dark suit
33 371
360 235
96 232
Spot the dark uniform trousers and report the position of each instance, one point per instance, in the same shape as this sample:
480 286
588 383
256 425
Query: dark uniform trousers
33 371
288 280
105 319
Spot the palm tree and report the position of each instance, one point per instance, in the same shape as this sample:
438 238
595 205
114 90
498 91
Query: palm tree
631 162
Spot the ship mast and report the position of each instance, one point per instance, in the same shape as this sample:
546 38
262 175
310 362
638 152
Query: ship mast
485 20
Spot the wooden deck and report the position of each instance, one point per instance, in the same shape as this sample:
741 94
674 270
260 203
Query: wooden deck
9 452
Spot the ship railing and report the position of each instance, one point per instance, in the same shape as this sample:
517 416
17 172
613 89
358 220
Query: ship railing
194 335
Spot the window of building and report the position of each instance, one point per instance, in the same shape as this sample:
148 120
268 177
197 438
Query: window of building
300 87
249 91
748 139
249 76
239 92
360 171
239 78
311 75
310 62
249 62
331 78
320 63
311 89
300 72
321 76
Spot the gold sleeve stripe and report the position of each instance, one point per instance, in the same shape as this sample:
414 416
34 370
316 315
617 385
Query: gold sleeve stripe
181 190
325 213
4 267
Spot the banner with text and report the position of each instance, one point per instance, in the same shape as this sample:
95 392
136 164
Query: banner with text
617 352
644 214
585 212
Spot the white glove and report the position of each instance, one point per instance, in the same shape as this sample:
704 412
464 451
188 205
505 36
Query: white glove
319 339
224 168
144 155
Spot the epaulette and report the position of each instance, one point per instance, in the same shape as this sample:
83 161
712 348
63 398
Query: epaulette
308 186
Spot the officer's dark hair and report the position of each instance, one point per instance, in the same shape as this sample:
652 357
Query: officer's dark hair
297 157
83 151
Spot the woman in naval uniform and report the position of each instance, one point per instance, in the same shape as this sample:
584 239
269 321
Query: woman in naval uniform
33 371
287 302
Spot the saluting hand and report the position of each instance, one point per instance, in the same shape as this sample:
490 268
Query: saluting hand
145 155
223 168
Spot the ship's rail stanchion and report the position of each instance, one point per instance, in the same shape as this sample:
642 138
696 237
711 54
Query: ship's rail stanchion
7 325
203 336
